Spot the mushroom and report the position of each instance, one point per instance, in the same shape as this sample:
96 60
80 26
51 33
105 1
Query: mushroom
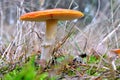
116 53
51 17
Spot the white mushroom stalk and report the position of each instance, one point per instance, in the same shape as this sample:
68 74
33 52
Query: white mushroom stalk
51 29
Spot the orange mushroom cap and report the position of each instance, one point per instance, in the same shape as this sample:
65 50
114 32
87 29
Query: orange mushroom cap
116 51
58 14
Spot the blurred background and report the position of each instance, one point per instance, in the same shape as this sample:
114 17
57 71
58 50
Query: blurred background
89 7
98 29
94 35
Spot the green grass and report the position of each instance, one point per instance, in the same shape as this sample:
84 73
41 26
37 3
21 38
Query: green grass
27 72
63 67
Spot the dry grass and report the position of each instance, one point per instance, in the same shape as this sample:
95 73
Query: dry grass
23 39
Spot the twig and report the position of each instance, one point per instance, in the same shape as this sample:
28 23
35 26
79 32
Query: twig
108 36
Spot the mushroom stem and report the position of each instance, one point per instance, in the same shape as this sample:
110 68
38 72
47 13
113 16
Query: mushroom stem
51 28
